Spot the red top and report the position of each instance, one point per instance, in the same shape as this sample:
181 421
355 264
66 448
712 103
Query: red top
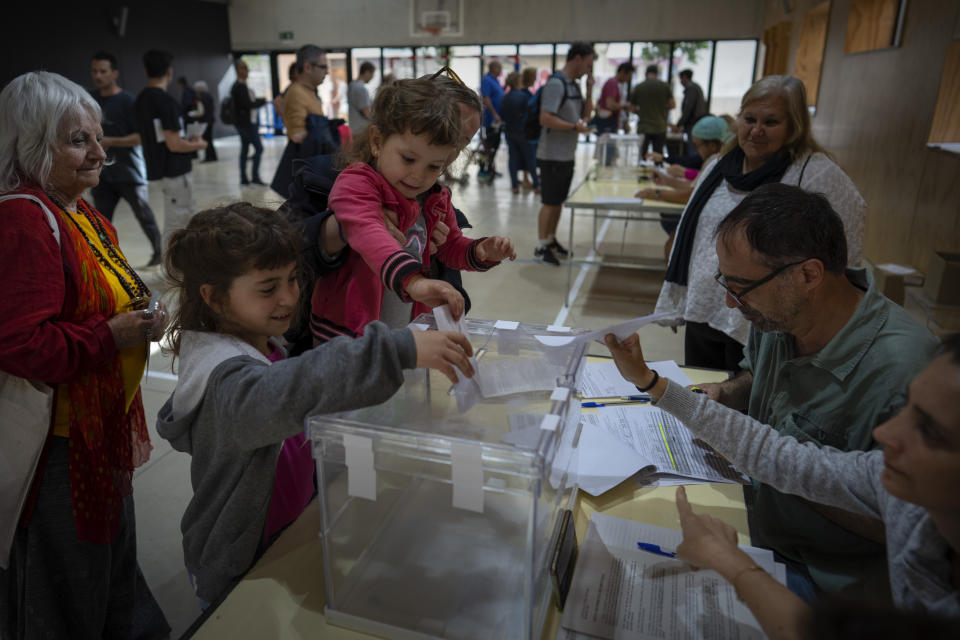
53 329
346 301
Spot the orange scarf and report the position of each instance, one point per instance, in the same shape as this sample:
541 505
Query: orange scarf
107 442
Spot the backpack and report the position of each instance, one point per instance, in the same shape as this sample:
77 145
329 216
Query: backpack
226 111
531 126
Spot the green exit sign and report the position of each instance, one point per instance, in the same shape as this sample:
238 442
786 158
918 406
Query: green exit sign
286 35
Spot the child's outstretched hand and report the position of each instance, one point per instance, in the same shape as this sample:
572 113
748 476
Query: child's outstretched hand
434 293
496 249
443 350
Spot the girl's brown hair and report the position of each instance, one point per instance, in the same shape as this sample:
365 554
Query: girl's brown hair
413 105
217 246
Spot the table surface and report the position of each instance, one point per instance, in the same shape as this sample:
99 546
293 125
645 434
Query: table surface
589 191
283 595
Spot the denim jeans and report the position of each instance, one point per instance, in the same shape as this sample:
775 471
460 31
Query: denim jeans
522 157
248 137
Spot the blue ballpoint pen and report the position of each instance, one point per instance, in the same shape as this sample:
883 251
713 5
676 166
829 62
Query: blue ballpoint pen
625 400
655 548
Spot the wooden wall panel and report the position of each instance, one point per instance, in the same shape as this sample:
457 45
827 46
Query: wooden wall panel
777 41
946 118
871 24
939 191
874 113
809 56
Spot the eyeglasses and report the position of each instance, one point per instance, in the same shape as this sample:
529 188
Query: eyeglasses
450 73
738 295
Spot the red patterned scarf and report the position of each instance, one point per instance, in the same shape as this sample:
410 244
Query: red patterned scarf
107 442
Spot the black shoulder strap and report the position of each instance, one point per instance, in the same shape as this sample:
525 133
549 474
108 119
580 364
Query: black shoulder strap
804 168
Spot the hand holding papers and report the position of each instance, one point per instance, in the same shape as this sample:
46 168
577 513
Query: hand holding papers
622 331
603 379
196 129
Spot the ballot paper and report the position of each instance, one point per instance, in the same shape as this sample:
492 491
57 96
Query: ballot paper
623 331
603 380
196 129
619 592
666 444
503 377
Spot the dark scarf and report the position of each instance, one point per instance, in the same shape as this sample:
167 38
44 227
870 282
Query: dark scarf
729 168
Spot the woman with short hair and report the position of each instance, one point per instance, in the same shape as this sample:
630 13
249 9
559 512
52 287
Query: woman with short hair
773 143
68 319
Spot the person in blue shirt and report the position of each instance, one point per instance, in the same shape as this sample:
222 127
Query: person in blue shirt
492 94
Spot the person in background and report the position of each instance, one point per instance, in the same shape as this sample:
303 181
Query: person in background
652 100
491 93
709 135
611 104
206 114
693 107
300 101
774 143
528 79
188 97
513 113
166 152
292 74
126 176
563 116
359 99
245 106
71 316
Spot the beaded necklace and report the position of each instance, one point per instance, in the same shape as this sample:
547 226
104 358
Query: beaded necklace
135 287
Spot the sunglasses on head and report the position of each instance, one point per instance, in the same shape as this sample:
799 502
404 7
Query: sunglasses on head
450 73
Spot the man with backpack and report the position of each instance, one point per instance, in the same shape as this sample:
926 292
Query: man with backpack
563 115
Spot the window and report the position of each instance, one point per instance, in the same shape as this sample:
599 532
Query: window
371 55
538 56
695 56
398 61
732 75
333 90
465 62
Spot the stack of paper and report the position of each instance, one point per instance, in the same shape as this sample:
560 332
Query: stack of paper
620 592
603 380
658 447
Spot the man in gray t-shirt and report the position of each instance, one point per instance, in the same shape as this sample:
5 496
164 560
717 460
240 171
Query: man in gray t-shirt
563 115
359 99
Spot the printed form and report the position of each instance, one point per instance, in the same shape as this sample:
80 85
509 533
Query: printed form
622 593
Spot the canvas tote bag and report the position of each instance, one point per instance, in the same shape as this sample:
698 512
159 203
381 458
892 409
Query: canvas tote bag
26 409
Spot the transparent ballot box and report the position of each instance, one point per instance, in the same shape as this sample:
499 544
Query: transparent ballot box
443 508
620 156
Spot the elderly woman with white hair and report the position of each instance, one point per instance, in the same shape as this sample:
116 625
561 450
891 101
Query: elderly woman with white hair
69 318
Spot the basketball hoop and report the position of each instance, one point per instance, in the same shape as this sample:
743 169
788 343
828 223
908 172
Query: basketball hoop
432 30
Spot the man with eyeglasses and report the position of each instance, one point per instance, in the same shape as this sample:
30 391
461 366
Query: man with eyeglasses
299 102
827 360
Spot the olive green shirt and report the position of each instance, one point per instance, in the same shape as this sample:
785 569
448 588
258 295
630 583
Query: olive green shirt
652 99
835 398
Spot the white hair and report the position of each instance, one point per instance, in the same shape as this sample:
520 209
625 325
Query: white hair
200 86
32 106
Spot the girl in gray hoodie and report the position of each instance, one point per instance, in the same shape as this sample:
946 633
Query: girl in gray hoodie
239 405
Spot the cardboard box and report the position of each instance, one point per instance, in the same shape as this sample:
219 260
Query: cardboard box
943 278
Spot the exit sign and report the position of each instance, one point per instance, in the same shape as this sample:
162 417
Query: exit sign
286 35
